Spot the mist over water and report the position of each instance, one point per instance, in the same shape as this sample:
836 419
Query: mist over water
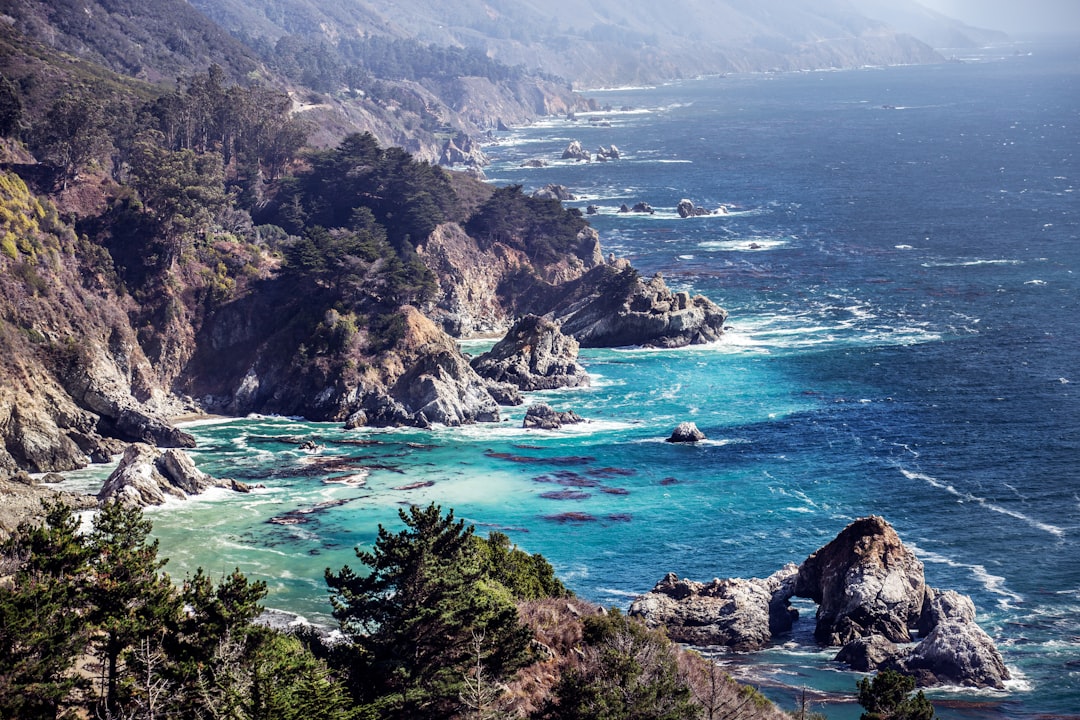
899 261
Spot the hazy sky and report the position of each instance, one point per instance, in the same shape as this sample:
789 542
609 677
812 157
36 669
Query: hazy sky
1014 16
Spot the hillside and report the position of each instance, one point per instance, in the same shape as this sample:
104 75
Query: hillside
602 42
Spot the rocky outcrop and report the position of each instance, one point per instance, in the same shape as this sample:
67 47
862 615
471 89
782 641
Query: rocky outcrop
437 384
867 654
21 502
604 154
148 476
544 417
534 355
686 209
870 593
554 192
640 207
612 306
463 150
866 582
956 652
686 432
736 613
574 151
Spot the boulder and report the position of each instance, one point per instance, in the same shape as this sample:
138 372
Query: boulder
687 209
592 210
612 305
866 582
534 355
574 151
939 607
642 207
956 652
736 613
552 191
147 476
868 654
686 432
607 153
505 393
534 163
544 417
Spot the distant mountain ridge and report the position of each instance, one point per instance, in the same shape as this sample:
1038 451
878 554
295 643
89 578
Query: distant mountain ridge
604 42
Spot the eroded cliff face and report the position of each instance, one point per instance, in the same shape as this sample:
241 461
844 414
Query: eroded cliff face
75 377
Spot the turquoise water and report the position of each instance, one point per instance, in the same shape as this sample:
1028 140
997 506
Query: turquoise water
899 262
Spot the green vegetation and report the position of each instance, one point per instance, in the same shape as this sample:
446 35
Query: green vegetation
628 673
427 613
888 696
543 229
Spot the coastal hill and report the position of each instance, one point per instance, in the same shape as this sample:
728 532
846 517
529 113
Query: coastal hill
604 42
227 241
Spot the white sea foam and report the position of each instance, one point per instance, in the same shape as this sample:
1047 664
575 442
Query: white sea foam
983 502
994 584
969 263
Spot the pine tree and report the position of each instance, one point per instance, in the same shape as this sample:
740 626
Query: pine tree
888 697
130 599
413 618
42 628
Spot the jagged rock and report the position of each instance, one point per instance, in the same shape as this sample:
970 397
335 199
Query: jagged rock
534 355
506 394
612 306
866 582
147 476
686 432
534 163
607 153
641 207
939 607
592 210
438 386
20 502
554 192
687 209
867 654
463 150
736 613
543 417
574 151
956 652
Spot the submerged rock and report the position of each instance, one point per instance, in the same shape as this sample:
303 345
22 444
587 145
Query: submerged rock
866 582
686 432
534 355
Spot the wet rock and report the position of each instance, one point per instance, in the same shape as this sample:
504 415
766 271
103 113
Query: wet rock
607 153
686 432
574 151
687 209
543 417
866 582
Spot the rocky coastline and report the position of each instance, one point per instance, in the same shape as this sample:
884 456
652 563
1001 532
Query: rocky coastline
873 605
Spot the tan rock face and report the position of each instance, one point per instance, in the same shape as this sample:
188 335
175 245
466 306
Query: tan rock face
865 582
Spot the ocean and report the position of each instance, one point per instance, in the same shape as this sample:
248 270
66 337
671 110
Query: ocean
899 259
